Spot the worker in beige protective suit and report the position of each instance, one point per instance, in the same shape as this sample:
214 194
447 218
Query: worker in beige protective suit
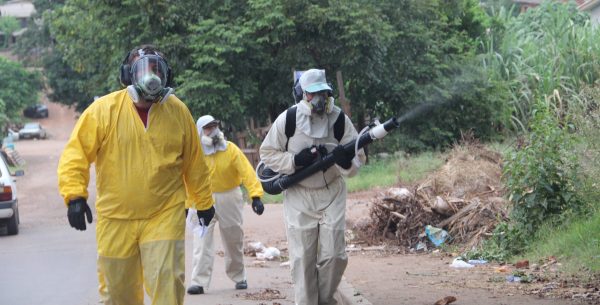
229 168
144 175
314 209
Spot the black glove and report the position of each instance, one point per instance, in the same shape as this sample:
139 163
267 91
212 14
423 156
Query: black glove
305 157
76 211
322 150
207 215
257 206
342 157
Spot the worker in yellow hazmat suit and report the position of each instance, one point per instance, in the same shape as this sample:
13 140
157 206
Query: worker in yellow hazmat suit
148 160
229 168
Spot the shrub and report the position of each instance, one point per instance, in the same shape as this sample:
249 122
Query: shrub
542 176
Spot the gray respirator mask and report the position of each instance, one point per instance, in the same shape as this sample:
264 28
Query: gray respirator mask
319 103
149 77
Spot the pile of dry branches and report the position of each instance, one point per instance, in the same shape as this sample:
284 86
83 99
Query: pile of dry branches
464 197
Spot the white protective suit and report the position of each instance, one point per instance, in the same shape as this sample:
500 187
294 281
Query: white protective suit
314 209
229 168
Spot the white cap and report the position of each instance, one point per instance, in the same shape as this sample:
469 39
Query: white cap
313 80
205 120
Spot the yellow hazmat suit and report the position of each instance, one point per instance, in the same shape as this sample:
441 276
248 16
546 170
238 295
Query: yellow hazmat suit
314 209
229 169
142 177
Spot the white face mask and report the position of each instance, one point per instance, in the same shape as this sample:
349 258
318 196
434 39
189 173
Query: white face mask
213 138
206 140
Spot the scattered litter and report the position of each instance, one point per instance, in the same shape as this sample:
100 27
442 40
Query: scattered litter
421 246
445 301
436 235
399 194
353 248
513 279
442 207
524 264
285 264
502 269
477 262
460 264
266 294
257 246
269 253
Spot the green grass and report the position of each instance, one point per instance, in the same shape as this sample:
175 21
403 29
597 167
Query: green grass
387 172
414 168
377 173
576 245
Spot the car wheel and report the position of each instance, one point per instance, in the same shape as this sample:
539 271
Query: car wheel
13 223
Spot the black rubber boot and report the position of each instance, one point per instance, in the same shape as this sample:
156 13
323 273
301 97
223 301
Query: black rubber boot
195 290
241 285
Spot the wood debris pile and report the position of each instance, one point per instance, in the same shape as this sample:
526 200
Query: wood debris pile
464 198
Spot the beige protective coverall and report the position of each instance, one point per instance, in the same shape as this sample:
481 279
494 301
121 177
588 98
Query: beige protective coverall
229 169
314 208
143 176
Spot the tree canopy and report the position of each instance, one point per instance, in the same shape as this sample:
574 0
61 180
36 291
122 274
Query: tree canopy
236 56
19 89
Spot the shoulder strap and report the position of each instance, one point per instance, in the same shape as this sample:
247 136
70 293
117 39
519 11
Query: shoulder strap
339 126
290 124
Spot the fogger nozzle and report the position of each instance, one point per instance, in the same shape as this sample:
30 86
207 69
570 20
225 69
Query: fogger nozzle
382 130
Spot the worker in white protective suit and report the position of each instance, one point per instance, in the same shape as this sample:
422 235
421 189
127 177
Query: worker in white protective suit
314 208
229 168
144 175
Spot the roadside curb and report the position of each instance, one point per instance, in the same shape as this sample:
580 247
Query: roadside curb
347 295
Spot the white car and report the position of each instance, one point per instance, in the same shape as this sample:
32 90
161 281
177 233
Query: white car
32 130
9 207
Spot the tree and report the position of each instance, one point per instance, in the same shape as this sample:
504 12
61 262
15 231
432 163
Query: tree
20 88
245 56
8 25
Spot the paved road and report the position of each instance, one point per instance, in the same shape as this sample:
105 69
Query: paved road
49 263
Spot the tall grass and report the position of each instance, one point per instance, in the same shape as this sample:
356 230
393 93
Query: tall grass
576 243
551 48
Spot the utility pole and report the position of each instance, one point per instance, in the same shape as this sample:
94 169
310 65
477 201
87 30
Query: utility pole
343 101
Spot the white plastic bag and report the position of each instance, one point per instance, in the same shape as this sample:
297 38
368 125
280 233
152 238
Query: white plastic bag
197 227
460 264
257 246
269 253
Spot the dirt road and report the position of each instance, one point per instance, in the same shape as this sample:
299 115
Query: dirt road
50 263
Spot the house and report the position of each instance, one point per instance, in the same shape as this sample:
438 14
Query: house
593 8
524 5
19 9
